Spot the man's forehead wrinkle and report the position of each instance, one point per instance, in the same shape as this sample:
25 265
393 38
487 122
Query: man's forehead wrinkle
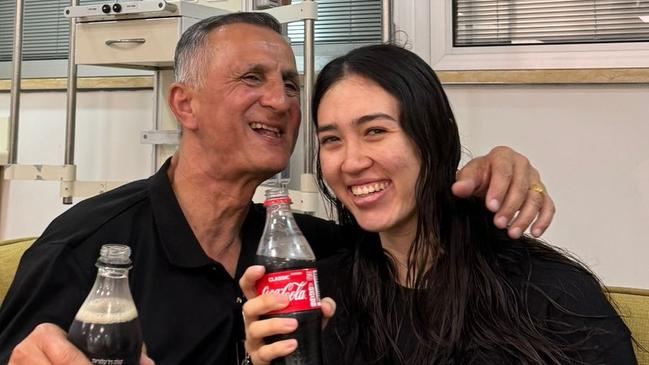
244 48
263 52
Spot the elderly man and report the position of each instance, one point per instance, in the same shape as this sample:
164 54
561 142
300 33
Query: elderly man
191 227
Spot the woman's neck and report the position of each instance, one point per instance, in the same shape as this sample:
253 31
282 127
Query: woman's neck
398 244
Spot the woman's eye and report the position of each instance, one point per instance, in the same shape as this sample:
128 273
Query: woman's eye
328 139
375 131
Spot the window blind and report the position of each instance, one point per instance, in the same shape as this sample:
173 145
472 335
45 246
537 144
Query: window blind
524 22
46 30
342 21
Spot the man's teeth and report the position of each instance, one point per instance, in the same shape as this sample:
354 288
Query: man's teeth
257 126
368 188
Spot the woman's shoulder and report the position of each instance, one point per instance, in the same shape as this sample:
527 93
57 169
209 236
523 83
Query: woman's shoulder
555 283
541 269
566 282
571 303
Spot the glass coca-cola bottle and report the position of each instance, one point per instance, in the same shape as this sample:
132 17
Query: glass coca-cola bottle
106 327
290 270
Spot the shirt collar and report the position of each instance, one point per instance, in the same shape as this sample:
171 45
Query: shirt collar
176 236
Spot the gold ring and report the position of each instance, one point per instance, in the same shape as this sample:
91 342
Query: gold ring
538 188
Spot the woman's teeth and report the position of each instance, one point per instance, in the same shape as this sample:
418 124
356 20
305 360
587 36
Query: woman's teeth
359 190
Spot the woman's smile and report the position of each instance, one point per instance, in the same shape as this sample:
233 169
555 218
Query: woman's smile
366 158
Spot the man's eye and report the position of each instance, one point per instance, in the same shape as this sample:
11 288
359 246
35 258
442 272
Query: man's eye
291 86
251 78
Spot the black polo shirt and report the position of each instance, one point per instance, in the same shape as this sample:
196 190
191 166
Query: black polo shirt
189 306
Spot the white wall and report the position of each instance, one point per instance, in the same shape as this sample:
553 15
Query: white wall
107 148
590 144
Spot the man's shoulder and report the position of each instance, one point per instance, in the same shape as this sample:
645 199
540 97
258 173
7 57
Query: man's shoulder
88 215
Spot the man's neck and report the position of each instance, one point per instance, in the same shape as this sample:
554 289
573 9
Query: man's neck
215 209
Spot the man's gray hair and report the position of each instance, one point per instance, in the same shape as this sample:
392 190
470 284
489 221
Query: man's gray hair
192 54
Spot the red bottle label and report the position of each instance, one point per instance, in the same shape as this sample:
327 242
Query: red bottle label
301 286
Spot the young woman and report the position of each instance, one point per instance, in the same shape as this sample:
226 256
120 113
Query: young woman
433 281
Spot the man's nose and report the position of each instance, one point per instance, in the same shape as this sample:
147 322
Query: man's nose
275 96
356 159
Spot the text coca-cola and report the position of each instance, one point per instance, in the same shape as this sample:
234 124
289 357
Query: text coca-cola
290 270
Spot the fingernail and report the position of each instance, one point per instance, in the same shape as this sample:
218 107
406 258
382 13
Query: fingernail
501 222
493 205
291 345
536 232
516 232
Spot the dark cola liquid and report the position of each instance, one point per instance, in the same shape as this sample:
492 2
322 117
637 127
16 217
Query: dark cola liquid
108 339
309 350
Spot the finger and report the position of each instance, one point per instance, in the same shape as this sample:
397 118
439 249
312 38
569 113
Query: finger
267 353
328 308
258 330
472 178
531 208
52 341
249 279
516 193
26 353
262 305
545 217
507 187
145 359
463 188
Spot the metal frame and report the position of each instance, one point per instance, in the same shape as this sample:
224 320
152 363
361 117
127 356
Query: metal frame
306 199
15 83
71 105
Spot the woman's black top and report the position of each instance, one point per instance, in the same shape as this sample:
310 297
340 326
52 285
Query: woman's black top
551 285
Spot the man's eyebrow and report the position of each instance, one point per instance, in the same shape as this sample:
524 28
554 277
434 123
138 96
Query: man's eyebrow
256 67
291 75
358 121
286 75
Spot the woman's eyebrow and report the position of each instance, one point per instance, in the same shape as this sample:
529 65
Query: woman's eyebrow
371 117
358 121
326 128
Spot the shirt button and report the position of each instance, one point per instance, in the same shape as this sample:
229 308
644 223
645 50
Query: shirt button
239 300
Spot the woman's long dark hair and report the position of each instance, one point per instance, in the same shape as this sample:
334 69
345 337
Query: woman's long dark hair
465 306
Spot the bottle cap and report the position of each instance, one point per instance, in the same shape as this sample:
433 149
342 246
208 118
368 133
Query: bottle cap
277 196
115 255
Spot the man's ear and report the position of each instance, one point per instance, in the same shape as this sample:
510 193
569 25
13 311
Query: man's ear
180 101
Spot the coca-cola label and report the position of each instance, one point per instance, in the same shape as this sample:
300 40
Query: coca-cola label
301 287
